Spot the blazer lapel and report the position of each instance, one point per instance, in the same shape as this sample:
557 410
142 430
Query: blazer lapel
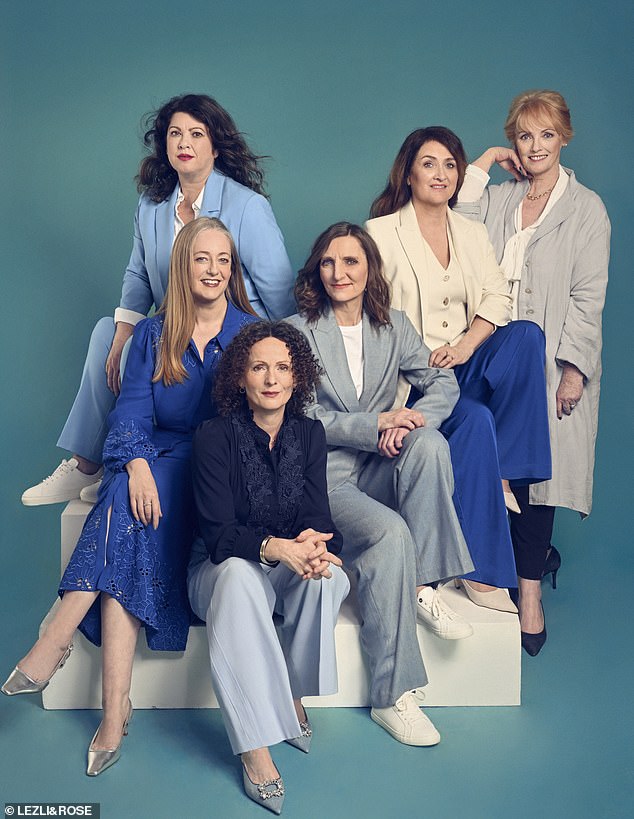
413 246
212 198
375 355
164 233
332 353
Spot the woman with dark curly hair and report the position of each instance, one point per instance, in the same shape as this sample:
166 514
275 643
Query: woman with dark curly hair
268 546
200 165
389 473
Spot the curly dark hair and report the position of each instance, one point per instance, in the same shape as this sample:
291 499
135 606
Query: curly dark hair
397 193
310 294
233 365
157 179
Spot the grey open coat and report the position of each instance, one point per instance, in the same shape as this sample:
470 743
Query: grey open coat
563 286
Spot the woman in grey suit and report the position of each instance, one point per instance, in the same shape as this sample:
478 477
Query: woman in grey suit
389 474
552 238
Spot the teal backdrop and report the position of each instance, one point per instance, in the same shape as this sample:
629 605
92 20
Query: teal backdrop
328 90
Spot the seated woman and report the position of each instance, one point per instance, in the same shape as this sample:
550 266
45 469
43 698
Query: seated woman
268 547
129 565
199 165
444 275
400 529
551 235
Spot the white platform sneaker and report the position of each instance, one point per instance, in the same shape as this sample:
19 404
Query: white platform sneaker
434 612
406 722
64 484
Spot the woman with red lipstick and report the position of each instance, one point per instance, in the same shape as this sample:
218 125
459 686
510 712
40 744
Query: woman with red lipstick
129 566
445 277
199 165
552 238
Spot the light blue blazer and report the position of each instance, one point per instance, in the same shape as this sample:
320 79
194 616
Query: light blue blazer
268 275
389 353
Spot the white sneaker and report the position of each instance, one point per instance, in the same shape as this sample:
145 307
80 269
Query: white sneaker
89 493
434 612
63 485
406 722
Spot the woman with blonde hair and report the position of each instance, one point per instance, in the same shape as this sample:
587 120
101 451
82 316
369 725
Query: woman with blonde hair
129 566
552 239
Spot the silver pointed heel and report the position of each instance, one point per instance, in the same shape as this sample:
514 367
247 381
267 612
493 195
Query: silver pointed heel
305 738
269 794
101 760
20 683
497 599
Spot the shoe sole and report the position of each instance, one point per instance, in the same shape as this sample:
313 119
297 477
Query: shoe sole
443 636
420 744
48 501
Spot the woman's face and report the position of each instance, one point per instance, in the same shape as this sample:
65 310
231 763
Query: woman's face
268 379
189 147
344 271
433 176
538 146
211 266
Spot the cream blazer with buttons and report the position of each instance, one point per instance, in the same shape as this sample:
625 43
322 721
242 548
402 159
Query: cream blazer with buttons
403 252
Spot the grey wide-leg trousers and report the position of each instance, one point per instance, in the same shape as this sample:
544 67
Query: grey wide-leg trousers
257 670
400 530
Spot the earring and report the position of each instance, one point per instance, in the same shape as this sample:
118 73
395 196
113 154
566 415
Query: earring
241 390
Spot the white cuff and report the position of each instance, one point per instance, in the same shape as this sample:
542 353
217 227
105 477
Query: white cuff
127 316
475 181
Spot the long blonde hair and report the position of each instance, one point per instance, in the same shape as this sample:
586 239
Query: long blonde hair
178 305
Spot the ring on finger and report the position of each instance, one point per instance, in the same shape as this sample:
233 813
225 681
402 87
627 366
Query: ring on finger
147 503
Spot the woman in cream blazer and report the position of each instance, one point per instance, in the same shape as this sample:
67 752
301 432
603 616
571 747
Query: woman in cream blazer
445 277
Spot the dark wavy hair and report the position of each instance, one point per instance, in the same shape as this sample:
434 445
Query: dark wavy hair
397 192
233 365
157 179
310 294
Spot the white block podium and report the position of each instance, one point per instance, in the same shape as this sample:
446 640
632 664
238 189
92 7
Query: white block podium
483 669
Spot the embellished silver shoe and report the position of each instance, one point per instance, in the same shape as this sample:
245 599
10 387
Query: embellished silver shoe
269 794
101 760
305 738
20 683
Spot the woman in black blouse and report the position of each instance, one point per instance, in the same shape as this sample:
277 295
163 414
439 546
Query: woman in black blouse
268 546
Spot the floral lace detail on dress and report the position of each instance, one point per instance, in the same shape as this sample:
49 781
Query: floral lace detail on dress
260 483
127 440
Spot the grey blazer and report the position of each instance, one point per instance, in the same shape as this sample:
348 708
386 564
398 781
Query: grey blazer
351 423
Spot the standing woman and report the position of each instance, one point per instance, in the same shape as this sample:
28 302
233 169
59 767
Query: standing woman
199 165
129 566
552 237
268 547
445 277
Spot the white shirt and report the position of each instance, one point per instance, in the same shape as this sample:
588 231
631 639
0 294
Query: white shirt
131 316
353 342
512 262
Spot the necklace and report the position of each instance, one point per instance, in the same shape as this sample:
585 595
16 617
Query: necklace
539 196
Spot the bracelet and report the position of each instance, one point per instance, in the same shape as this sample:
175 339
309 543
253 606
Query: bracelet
263 546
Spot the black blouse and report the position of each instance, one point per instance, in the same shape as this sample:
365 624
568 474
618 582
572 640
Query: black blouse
244 491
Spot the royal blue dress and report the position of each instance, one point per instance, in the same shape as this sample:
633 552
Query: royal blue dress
143 568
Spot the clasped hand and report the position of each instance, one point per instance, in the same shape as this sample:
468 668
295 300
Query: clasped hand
307 555
394 426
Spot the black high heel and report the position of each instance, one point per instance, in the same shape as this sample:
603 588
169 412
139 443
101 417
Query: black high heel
533 643
552 565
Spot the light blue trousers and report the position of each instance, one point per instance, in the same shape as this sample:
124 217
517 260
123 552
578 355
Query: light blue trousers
257 670
85 429
400 530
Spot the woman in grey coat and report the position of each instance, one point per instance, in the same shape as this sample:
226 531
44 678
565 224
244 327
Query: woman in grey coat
551 236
